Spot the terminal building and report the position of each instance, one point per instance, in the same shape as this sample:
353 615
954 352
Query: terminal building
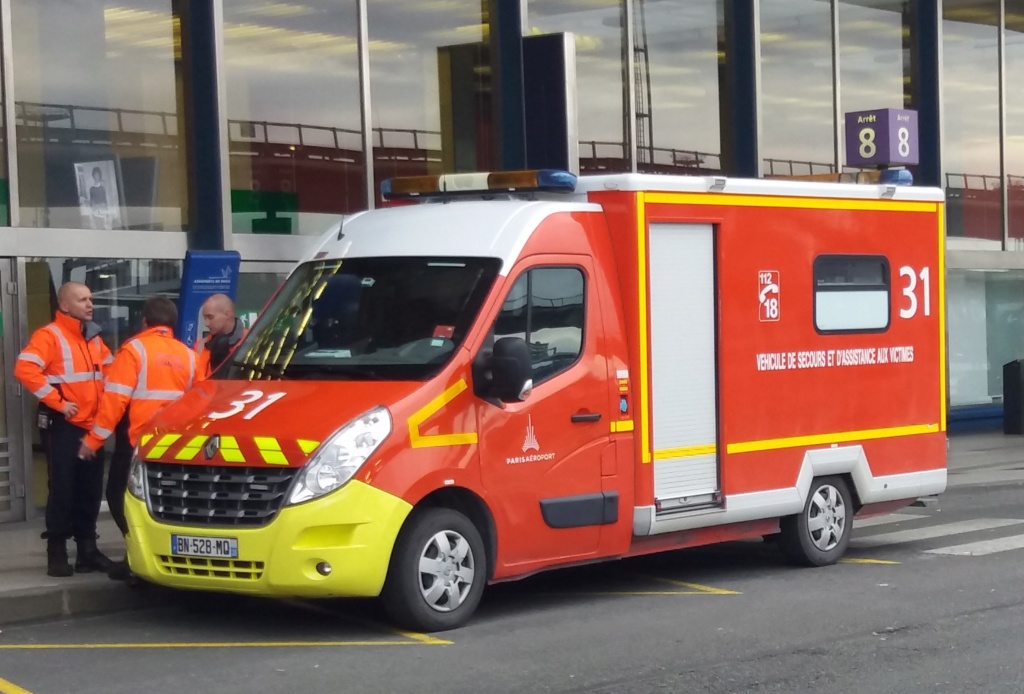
135 130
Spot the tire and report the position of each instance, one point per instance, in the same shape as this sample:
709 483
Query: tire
437 573
820 534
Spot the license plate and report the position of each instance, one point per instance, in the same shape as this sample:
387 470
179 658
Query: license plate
189 545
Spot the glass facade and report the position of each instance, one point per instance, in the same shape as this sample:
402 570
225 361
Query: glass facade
5 215
295 138
986 330
970 101
119 286
599 30
1014 142
98 109
430 86
678 87
874 54
798 128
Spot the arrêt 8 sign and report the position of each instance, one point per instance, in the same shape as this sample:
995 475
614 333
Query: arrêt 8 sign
885 137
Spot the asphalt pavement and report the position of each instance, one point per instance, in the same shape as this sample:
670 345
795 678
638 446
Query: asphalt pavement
927 599
27 594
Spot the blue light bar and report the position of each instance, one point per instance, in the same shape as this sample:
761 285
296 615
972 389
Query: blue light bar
556 180
896 177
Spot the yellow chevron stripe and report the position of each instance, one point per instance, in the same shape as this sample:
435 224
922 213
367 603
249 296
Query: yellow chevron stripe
229 450
192 448
308 446
270 449
418 440
162 445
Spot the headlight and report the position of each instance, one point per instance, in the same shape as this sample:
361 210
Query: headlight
137 477
341 455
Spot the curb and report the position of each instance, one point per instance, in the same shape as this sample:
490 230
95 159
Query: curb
94 597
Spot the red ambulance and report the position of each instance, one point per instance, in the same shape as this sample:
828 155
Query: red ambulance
526 370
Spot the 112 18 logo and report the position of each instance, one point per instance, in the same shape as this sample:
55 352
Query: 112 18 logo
768 296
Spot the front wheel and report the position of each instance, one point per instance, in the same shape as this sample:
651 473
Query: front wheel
820 534
437 572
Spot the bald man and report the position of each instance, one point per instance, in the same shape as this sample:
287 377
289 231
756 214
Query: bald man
225 332
63 365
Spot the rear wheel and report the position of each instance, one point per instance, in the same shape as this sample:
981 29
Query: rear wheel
437 571
820 534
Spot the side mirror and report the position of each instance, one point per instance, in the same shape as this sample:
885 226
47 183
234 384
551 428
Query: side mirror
511 370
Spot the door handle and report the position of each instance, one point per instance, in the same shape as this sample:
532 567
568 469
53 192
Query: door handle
586 417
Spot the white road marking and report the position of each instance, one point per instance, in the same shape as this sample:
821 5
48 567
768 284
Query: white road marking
980 549
885 520
934 531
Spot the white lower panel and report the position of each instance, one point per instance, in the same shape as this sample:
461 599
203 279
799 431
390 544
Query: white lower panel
775 503
689 476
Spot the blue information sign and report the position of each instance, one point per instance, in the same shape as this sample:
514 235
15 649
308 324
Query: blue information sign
205 273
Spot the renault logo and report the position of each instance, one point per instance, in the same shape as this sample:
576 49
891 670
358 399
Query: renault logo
211 447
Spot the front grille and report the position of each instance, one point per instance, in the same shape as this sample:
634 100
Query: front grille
210 568
224 496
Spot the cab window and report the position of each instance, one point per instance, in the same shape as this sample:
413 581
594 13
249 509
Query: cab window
545 307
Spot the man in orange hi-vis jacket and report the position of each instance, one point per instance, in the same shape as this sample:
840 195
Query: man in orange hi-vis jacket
63 366
150 371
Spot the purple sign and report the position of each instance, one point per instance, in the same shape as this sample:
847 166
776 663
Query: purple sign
885 137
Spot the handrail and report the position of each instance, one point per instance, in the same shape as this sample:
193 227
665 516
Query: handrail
595 155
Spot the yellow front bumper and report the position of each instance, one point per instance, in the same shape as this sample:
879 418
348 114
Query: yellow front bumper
353 529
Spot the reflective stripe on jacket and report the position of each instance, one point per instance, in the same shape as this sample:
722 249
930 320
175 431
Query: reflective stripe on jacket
149 372
64 361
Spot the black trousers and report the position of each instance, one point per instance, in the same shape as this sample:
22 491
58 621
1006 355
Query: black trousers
75 485
117 476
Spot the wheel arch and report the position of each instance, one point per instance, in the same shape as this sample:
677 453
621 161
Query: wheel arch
851 486
469 504
797 537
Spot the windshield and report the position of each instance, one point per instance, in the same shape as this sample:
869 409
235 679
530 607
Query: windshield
365 319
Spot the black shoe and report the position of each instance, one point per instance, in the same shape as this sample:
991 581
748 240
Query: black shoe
120 571
57 564
89 558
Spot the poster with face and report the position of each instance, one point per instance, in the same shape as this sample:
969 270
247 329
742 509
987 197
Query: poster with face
98 199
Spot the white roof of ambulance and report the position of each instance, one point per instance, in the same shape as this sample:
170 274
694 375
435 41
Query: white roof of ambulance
500 228
755 186
462 228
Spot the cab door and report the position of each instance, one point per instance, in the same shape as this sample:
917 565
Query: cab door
541 459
